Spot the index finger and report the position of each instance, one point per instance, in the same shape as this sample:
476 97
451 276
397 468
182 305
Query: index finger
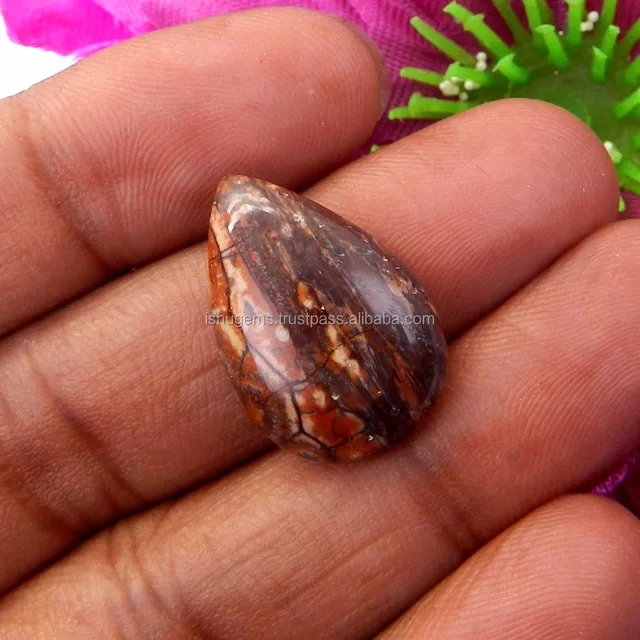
114 162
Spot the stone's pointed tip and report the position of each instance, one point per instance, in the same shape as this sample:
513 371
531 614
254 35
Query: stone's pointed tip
237 178
231 189
232 181
331 345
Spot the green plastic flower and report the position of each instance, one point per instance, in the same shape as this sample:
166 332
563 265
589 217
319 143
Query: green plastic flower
586 67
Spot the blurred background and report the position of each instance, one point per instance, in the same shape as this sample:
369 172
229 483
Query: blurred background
20 67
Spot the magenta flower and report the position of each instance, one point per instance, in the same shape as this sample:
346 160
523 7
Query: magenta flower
64 26
445 59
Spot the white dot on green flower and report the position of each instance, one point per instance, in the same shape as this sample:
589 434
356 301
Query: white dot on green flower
449 88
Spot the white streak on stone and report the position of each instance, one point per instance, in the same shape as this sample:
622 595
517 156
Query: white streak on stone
248 208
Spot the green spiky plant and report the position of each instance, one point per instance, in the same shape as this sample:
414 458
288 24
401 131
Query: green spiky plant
585 69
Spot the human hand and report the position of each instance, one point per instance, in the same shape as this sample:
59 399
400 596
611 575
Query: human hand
135 499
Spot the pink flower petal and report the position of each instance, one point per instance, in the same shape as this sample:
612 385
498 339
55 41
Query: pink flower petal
608 486
63 26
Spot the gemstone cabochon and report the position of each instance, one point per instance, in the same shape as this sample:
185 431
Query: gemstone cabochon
332 347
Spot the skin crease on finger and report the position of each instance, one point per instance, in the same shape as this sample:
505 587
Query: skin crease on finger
118 158
571 569
226 561
89 443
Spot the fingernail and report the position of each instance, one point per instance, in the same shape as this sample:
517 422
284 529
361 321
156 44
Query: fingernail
385 79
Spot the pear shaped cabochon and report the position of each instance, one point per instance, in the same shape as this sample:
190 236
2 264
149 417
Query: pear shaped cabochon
333 348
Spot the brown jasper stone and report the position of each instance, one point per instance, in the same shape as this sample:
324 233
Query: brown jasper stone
332 347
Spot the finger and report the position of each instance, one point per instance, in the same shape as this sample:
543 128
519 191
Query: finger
114 162
482 202
181 416
569 570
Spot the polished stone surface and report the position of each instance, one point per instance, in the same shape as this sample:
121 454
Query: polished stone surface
332 347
